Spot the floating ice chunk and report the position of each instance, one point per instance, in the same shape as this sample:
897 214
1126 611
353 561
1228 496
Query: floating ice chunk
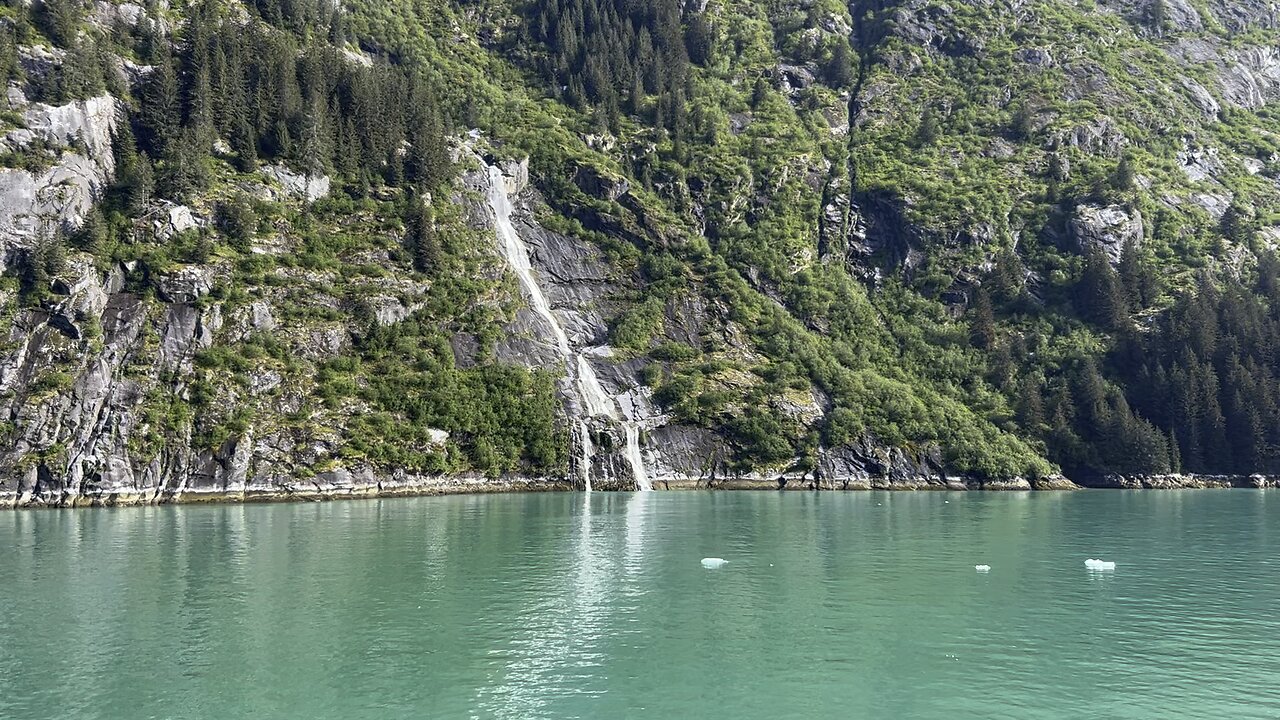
1093 564
713 563
982 568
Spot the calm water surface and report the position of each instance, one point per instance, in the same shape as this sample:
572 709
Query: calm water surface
858 605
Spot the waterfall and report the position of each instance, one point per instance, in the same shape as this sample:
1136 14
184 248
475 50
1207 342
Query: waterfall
594 398
588 451
517 255
596 403
634 459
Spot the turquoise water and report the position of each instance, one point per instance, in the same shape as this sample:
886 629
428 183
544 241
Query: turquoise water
860 605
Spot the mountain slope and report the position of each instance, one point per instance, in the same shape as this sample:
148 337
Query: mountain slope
884 243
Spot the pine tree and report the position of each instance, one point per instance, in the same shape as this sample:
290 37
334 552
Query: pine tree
237 219
160 114
93 232
1007 277
759 93
315 149
1031 406
1237 225
839 67
1022 122
421 240
8 55
244 144
280 140
60 20
137 183
46 258
1137 277
184 171
928 130
1100 297
1123 178
698 39
982 321
1158 16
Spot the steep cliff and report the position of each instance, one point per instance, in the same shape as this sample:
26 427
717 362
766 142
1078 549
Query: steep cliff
276 250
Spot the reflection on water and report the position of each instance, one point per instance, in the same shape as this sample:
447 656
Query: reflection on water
563 606
566 632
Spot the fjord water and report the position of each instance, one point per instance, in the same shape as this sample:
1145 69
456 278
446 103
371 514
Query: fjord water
597 606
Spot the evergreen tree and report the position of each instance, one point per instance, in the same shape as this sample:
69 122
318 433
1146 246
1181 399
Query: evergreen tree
93 232
421 240
237 219
315 149
982 321
1237 225
1031 406
184 171
1158 16
759 92
1099 296
839 67
1022 122
60 20
1123 178
136 179
1137 277
9 68
928 130
698 39
244 144
160 111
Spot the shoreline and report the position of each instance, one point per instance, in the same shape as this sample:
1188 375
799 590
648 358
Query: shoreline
427 487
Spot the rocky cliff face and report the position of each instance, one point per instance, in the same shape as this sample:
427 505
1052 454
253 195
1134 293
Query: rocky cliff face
73 142
793 198
78 370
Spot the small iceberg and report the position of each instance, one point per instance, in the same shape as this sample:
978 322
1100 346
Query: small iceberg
1093 564
713 563
982 568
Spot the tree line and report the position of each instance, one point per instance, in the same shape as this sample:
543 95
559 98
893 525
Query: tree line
614 54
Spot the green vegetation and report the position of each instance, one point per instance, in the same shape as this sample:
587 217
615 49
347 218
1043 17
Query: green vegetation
914 275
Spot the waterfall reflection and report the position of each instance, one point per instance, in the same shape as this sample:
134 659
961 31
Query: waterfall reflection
573 619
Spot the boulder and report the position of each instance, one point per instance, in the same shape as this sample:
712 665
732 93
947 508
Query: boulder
187 284
1036 57
173 220
306 187
1106 228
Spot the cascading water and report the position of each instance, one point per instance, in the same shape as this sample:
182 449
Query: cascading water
634 458
517 256
595 401
588 452
598 402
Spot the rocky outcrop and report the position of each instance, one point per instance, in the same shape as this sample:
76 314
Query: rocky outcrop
1253 79
76 138
1181 482
1106 228
299 185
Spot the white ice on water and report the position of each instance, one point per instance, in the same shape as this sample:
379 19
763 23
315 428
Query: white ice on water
595 401
1093 564
713 563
